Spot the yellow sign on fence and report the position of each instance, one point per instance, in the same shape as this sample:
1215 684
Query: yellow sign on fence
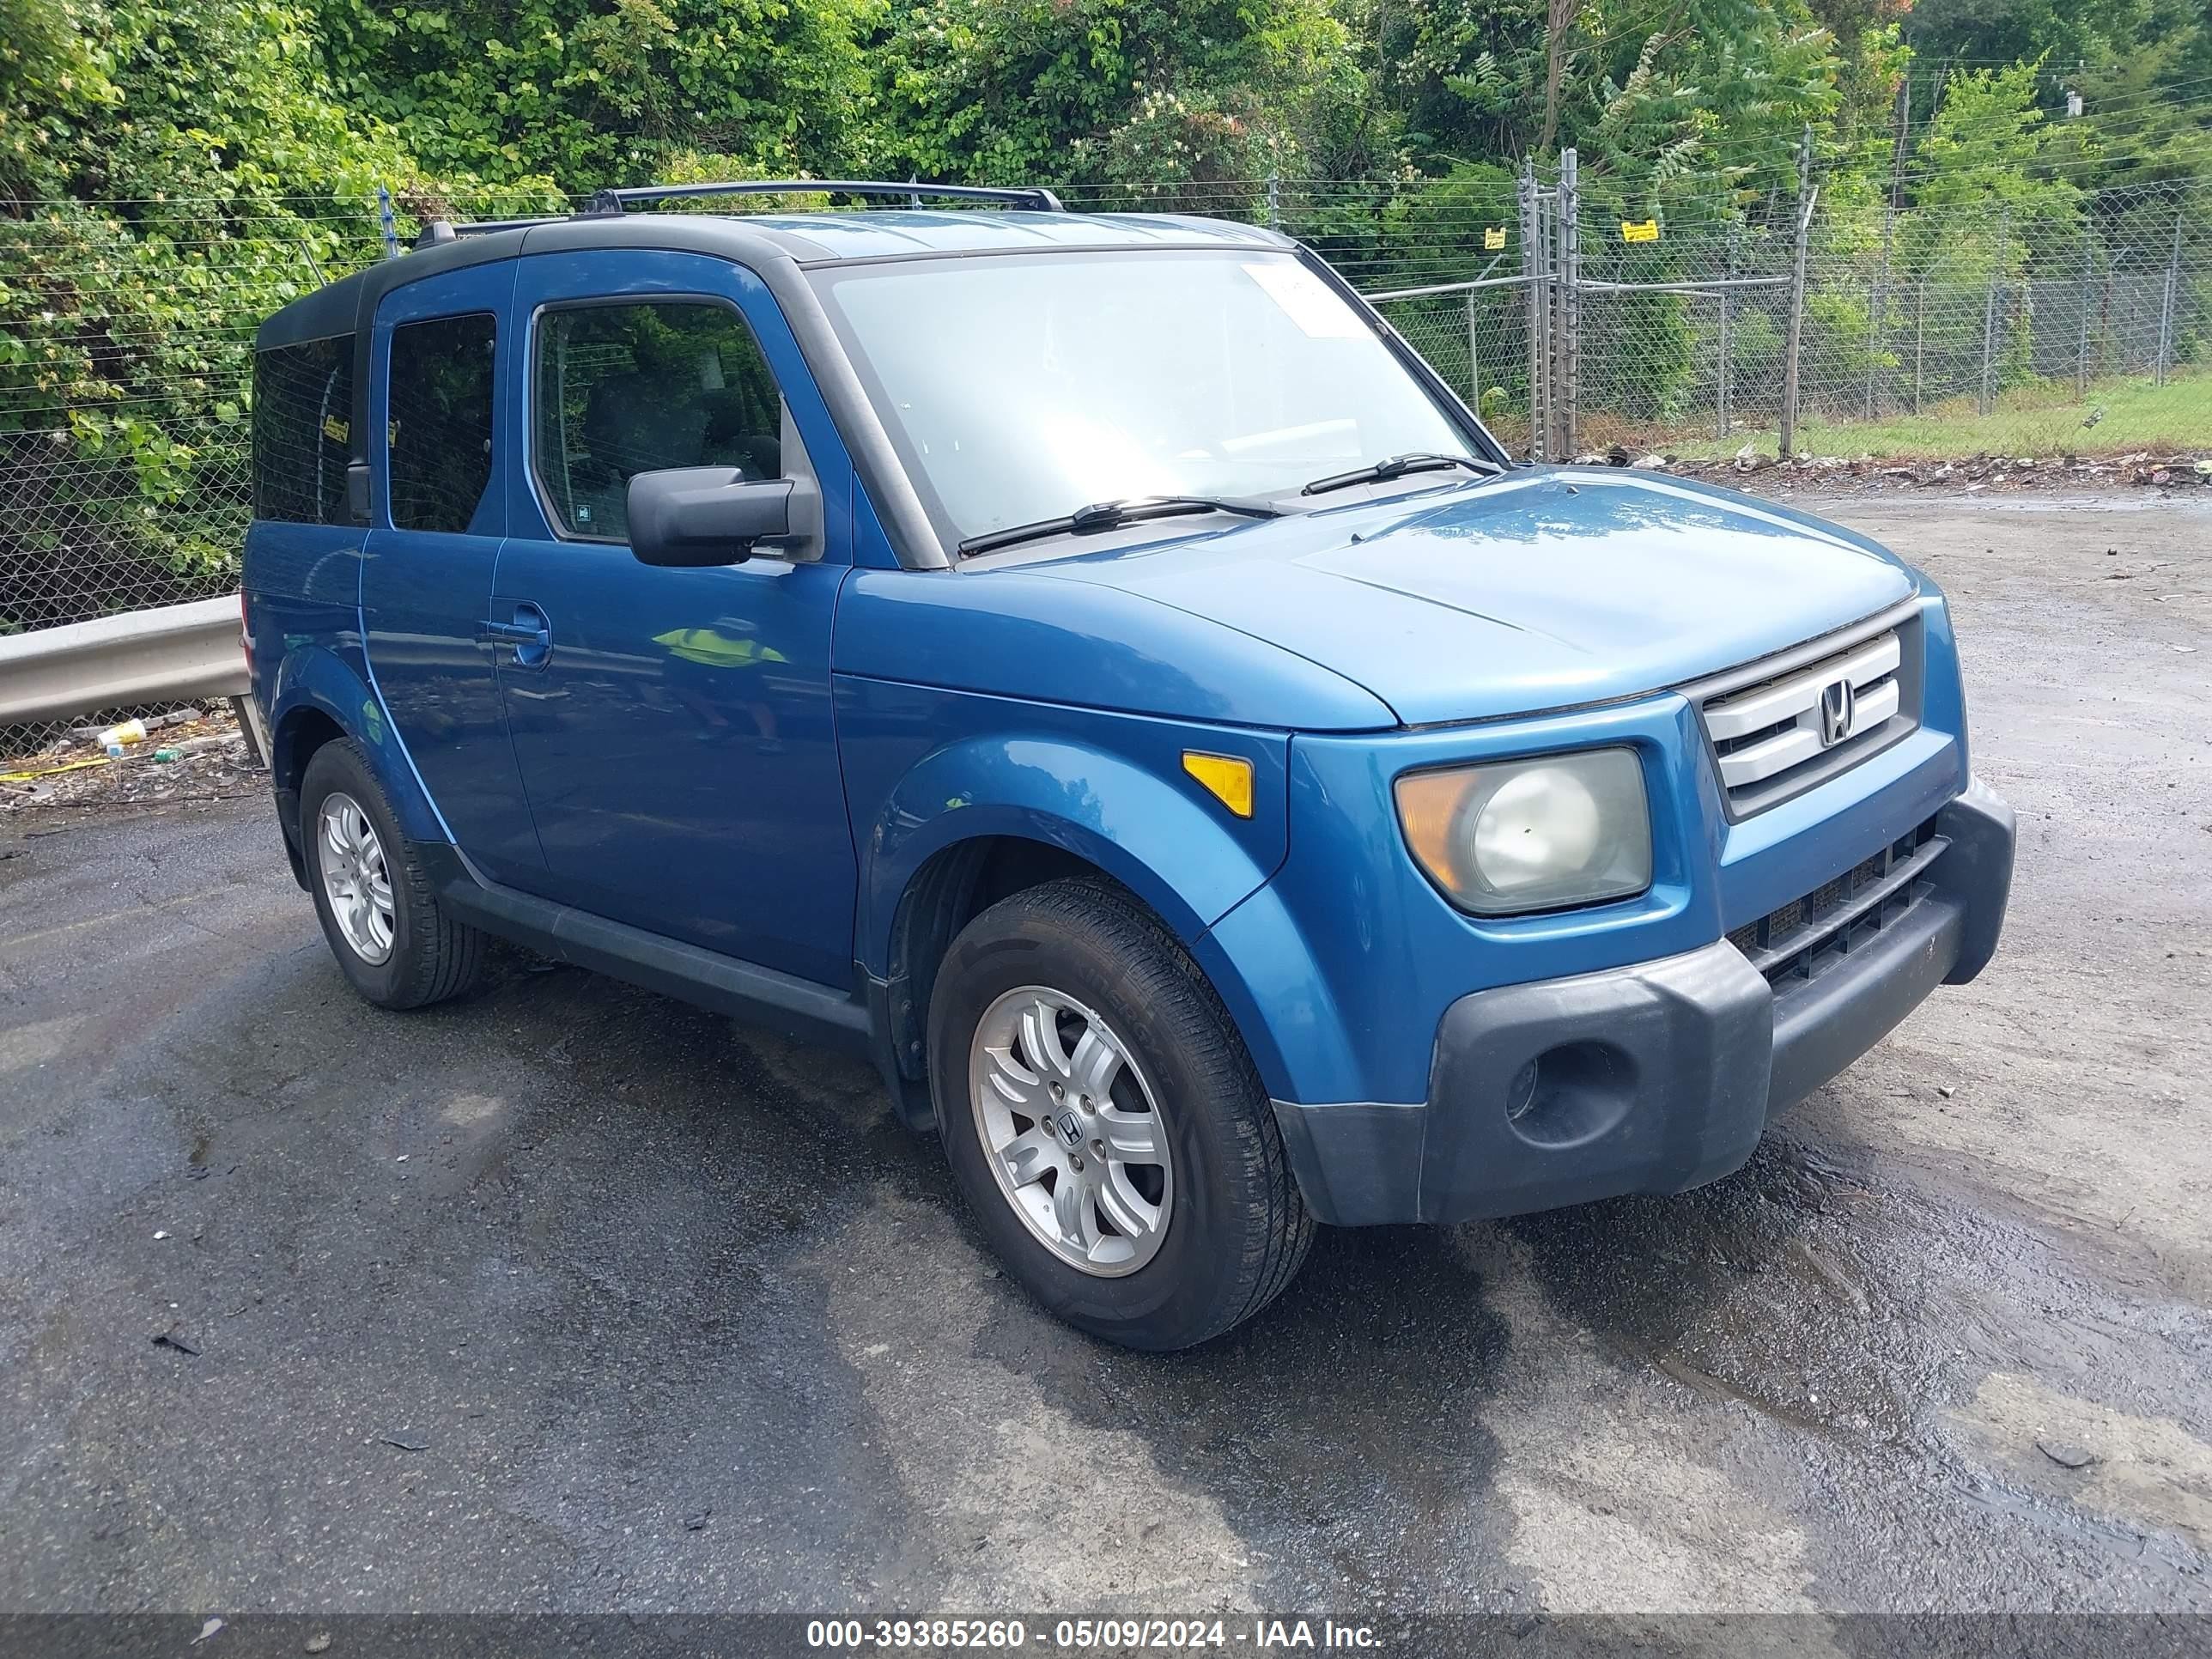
1646 232
1494 237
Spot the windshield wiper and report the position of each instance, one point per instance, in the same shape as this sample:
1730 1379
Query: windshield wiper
1397 467
1112 515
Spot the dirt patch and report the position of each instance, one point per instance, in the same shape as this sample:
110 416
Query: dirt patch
1840 474
187 756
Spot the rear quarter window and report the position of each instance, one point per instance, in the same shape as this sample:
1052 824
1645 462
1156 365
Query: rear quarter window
302 417
441 420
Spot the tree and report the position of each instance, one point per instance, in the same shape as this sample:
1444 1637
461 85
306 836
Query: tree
1113 92
590 93
196 176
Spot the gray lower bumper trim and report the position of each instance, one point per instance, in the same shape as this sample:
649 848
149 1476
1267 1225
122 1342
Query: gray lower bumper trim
1648 1079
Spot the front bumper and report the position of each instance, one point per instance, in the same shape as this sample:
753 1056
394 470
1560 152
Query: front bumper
1650 1079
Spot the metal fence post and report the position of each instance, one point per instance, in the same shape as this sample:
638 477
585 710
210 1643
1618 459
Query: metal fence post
2081 353
1877 306
1989 309
1726 297
1727 366
1534 244
2166 303
1569 326
389 225
1878 310
1274 200
1919 338
1474 358
1807 193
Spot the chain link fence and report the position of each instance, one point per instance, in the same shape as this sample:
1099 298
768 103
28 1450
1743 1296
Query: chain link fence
126 330
1946 328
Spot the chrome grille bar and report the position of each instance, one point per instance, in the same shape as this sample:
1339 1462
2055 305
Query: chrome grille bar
1784 725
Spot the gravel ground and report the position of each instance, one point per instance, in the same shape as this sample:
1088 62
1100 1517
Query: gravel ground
573 1299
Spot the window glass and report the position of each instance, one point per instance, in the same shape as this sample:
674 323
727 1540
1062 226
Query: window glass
441 425
1021 387
629 389
302 409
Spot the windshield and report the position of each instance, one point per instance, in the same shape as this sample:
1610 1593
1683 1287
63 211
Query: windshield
1021 387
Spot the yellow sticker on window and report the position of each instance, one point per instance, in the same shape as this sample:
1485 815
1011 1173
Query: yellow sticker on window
334 428
1648 231
1494 237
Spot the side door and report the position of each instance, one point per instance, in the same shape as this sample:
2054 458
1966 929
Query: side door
674 726
438 514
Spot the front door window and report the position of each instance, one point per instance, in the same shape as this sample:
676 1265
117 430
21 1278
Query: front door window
629 389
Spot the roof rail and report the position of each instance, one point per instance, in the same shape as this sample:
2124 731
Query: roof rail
445 230
606 203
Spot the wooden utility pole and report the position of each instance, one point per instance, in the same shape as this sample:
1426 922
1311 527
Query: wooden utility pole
1562 12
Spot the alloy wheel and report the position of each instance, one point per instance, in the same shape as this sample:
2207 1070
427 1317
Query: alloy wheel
1071 1131
354 877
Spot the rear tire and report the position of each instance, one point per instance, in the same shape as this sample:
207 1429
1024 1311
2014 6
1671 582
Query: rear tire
378 911
1041 994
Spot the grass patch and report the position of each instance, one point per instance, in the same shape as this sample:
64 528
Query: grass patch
2040 419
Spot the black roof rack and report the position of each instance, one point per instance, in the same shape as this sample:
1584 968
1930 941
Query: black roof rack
445 230
1036 196
612 204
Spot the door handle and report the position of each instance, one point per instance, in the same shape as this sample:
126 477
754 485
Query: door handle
530 634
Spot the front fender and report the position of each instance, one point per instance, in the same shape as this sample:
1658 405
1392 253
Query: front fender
314 678
1261 965
1110 788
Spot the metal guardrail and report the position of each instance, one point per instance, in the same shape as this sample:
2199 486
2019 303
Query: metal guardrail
178 653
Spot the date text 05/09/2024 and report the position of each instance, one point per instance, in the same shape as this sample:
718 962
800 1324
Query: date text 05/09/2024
1166 1635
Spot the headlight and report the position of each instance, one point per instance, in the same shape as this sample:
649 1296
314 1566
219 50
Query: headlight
1531 835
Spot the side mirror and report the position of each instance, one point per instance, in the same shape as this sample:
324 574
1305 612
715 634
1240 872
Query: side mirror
694 516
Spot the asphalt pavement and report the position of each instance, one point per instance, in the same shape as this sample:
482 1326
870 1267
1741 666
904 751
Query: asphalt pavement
572 1297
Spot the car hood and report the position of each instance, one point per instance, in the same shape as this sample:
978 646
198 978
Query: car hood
1540 590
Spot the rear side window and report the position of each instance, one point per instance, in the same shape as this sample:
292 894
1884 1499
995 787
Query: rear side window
440 433
303 411
622 390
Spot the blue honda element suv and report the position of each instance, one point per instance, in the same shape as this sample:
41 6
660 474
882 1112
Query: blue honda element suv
1092 666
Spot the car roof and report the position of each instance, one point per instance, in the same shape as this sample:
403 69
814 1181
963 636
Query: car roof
890 233
805 240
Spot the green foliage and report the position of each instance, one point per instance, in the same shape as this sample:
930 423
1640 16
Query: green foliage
1113 92
1999 31
203 176
1755 347
599 92
52 76
172 171
1985 200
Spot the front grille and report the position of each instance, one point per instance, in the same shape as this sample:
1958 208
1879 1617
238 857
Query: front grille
1776 733
1807 936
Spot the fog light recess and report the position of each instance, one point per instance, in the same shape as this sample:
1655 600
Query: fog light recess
1570 1094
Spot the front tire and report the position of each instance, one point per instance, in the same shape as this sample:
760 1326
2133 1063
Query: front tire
378 911
1105 1123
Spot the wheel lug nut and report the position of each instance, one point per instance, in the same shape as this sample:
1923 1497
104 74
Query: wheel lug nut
1086 1105
1076 1164
1098 1149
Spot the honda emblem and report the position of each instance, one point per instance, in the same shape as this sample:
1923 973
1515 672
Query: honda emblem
1838 708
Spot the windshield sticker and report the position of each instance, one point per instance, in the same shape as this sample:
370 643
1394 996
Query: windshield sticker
1306 300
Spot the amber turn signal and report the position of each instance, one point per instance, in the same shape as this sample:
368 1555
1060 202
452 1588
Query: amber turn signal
1226 778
